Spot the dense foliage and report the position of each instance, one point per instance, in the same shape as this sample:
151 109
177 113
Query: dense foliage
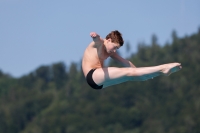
53 99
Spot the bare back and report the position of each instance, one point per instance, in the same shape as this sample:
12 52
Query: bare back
94 56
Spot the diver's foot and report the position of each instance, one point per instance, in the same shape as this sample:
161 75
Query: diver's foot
171 68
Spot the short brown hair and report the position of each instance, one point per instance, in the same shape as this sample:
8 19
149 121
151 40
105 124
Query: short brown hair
116 37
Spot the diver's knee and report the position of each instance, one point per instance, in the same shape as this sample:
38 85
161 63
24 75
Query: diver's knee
131 72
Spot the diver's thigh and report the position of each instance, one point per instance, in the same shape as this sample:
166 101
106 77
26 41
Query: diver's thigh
107 74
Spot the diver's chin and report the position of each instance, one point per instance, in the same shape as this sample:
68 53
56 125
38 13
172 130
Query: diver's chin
108 52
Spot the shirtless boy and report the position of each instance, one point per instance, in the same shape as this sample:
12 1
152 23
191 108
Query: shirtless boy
99 77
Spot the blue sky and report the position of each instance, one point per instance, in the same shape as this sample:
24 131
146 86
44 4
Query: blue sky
42 32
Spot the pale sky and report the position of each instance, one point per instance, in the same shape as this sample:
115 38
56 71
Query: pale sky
42 32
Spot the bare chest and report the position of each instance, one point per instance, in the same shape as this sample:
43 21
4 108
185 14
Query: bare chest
102 54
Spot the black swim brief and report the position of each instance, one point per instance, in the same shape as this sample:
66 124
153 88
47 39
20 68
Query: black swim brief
91 82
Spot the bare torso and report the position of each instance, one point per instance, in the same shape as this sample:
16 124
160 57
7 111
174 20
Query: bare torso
94 57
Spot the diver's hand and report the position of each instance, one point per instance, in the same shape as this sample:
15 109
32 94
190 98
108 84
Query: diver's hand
94 34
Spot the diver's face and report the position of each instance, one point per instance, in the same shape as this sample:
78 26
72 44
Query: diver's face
112 47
